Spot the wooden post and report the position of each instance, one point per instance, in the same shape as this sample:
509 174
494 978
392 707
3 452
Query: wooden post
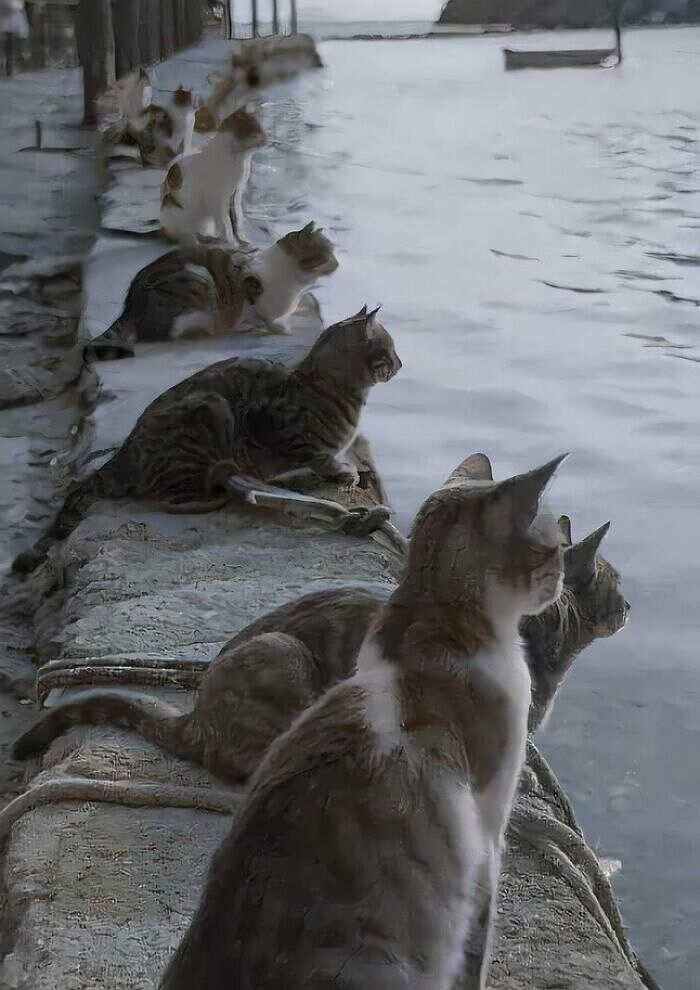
149 31
193 21
125 20
293 24
167 28
617 19
180 18
95 43
254 16
228 19
275 18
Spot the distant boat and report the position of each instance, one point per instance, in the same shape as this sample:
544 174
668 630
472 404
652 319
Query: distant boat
568 57
563 58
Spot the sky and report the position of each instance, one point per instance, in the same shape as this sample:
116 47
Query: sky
369 10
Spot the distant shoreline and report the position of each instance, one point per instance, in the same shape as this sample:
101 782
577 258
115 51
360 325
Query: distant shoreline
481 31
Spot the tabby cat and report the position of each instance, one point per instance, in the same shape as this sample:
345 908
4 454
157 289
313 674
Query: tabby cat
212 290
198 188
367 849
277 666
242 416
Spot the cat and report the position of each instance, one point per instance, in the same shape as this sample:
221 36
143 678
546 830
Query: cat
159 133
162 134
185 293
198 188
212 290
286 271
241 416
131 94
278 665
367 849
590 607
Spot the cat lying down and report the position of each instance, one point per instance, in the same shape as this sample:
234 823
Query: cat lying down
241 416
216 290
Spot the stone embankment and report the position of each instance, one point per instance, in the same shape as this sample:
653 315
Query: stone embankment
106 851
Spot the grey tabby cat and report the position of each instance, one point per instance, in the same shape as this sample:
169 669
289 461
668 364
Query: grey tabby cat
367 849
278 665
241 416
202 290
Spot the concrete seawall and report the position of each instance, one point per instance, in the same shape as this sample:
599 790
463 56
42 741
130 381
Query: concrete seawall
100 883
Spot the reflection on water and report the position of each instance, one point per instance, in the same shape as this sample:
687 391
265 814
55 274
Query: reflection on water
534 240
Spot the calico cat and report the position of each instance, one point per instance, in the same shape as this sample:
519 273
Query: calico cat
198 188
132 94
367 849
188 292
242 416
212 290
162 134
269 672
286 271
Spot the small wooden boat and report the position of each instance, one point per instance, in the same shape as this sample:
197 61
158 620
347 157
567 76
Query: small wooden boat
574 57
571 57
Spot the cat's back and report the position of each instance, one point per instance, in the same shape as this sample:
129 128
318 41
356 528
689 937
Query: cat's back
331 624
337 862
234 379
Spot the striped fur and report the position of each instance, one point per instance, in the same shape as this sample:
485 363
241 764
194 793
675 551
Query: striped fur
367 852
241 416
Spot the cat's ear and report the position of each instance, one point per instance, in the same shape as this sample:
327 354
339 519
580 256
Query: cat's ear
523 492
565 527
580 558
476 467
370 322
361 315
308 230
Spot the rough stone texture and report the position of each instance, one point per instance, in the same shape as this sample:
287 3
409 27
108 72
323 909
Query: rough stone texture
99 894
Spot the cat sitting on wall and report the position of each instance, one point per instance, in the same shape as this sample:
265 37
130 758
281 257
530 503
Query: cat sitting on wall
280 664
203 188
211 291
241 416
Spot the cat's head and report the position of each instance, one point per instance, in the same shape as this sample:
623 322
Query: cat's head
244 128
311 250
359 351
182 97
595 600
480 540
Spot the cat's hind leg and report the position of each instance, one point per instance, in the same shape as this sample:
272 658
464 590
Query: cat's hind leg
251 694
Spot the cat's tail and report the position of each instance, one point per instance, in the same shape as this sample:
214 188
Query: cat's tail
116 342
74 510
155 720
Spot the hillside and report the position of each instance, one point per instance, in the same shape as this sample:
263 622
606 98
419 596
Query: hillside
558 13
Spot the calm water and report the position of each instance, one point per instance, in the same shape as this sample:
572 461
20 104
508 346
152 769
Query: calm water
535 241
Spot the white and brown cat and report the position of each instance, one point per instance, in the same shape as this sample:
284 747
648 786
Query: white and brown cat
286 271
212 291
368 848
159 133
203 187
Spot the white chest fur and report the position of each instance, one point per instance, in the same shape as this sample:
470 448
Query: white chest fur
282 280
